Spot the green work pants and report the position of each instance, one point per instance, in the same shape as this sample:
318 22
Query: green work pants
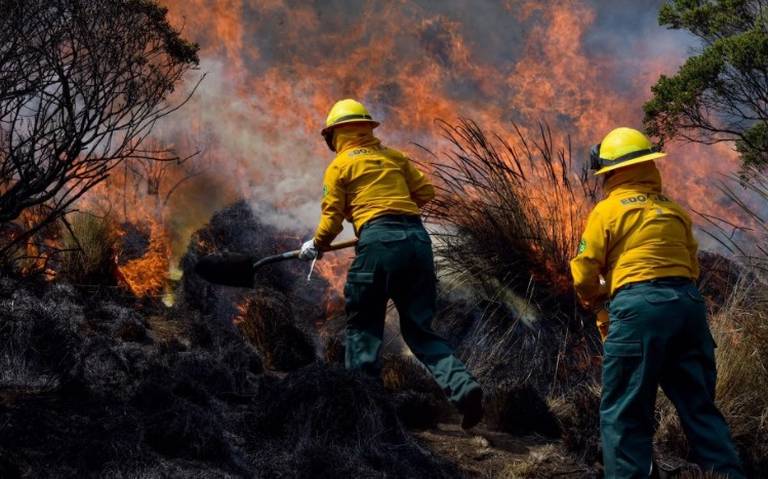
394 261
659 335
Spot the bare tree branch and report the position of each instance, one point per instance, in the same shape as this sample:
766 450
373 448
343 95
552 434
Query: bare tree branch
82 84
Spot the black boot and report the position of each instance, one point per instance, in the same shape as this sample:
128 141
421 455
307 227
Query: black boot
471 407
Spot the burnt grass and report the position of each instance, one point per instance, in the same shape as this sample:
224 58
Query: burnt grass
95 383
233 382
90 389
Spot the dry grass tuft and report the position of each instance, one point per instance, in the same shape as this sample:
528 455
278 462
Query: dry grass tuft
512 210
543 463
266 320
89 246
419 402
579 415
532 467
519 410
507 219
400 373
741 331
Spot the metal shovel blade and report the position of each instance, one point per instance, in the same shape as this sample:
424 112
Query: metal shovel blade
229 269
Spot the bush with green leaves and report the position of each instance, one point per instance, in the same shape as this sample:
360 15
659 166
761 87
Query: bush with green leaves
720 94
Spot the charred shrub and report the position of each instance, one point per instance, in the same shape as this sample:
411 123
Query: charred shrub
194 370
343 414
119 322
519 409
266 320
333 339
8 467
418 410
108 369
179 419
579 415
419 402
316 403
39 344
87 434
237 232
233 229
221 339
318 461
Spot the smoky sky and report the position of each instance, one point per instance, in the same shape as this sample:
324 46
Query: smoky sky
625 31
276 67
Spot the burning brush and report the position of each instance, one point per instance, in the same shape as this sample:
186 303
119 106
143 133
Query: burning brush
510 211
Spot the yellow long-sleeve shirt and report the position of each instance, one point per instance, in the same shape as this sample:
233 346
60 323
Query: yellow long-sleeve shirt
367 180
635 234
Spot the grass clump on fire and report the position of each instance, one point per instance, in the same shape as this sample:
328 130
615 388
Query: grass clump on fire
514 209
508 216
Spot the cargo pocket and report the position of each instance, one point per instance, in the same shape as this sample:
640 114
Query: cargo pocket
622 369
357 288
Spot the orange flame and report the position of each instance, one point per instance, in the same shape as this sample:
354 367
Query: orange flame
333 268
148 275
275 67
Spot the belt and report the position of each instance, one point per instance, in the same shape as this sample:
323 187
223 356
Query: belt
402 219
665 281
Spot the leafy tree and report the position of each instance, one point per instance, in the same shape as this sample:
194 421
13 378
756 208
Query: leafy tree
721 94
82 83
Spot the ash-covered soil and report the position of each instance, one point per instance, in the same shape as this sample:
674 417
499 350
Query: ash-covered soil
95 385
226 383
493 454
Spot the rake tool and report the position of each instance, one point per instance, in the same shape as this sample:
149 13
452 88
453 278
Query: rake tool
238 270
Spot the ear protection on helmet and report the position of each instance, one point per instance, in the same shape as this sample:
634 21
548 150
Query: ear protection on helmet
328 137
594 158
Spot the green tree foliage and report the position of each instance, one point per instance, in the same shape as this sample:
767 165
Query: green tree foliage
721 94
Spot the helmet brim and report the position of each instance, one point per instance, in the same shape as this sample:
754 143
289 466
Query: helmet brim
328 128
633 161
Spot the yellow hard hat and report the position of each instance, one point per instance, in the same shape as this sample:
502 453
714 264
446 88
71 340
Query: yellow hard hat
622 147
343 112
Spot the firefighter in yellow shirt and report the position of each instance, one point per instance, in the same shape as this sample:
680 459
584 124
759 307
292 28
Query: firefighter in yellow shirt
641 243
380 192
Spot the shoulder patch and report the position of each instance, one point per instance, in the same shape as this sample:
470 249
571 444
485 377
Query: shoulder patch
325 191
582 245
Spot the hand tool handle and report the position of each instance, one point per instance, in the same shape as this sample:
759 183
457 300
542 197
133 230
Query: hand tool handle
295 253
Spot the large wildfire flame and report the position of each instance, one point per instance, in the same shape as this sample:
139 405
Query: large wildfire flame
274 68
